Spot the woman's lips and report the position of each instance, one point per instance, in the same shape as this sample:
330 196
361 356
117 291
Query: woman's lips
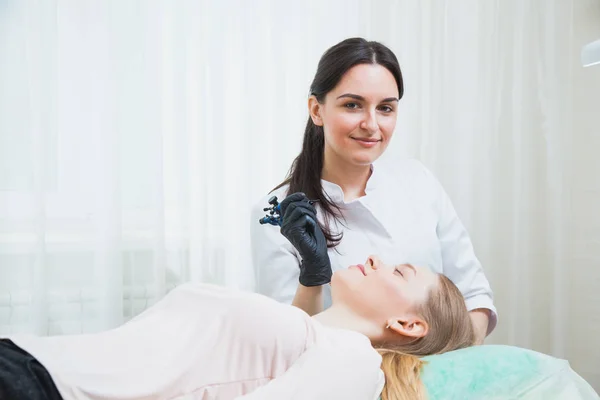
361 267
368 143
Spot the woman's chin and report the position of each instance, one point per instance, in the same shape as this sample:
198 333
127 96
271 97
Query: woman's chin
343 280
365 158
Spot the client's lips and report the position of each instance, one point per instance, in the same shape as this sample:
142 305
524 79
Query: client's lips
362 269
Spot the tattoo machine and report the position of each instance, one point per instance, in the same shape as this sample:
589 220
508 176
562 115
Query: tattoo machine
274 216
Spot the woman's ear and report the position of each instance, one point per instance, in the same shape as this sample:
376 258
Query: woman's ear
314 109
411 327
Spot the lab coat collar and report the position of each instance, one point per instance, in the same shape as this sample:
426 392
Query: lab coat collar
335 192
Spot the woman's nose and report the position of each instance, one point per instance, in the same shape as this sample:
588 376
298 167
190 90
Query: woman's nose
373 262
370 124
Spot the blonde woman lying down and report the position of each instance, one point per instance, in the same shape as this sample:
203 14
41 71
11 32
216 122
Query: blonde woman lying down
207 342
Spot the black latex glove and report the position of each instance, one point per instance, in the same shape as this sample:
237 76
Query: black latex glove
299 225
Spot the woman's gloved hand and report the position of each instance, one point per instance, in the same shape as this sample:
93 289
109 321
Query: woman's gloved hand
299 225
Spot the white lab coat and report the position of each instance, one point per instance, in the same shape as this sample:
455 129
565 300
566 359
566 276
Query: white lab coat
405 217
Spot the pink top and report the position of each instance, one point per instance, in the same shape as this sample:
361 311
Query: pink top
208 342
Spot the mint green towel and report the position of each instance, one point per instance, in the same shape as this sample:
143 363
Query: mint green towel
502 372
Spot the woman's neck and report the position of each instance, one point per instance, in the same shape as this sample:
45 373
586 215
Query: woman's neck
350 177
341 317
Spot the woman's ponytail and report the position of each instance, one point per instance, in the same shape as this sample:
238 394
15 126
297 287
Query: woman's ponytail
305 176
402 376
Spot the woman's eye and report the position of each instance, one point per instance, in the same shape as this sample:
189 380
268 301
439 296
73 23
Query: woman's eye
399 272
351 106
387 109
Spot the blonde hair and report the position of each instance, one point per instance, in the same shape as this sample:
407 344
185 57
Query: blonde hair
450 328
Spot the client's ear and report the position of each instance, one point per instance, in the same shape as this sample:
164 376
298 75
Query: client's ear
412 327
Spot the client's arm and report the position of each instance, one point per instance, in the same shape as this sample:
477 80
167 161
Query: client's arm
327 373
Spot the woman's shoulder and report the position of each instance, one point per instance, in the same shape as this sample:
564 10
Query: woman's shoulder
350 353
406 173
403 167
345 338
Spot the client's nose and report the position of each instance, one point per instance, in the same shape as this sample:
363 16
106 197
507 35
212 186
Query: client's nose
373 262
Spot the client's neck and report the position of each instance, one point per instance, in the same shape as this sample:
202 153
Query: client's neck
338 316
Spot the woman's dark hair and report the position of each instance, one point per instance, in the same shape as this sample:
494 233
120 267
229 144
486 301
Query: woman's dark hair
305 173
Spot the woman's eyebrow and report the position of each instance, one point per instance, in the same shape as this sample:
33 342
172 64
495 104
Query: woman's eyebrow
402 266
410 266
357 97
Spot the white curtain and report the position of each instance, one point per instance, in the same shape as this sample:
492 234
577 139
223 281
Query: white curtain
135 136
